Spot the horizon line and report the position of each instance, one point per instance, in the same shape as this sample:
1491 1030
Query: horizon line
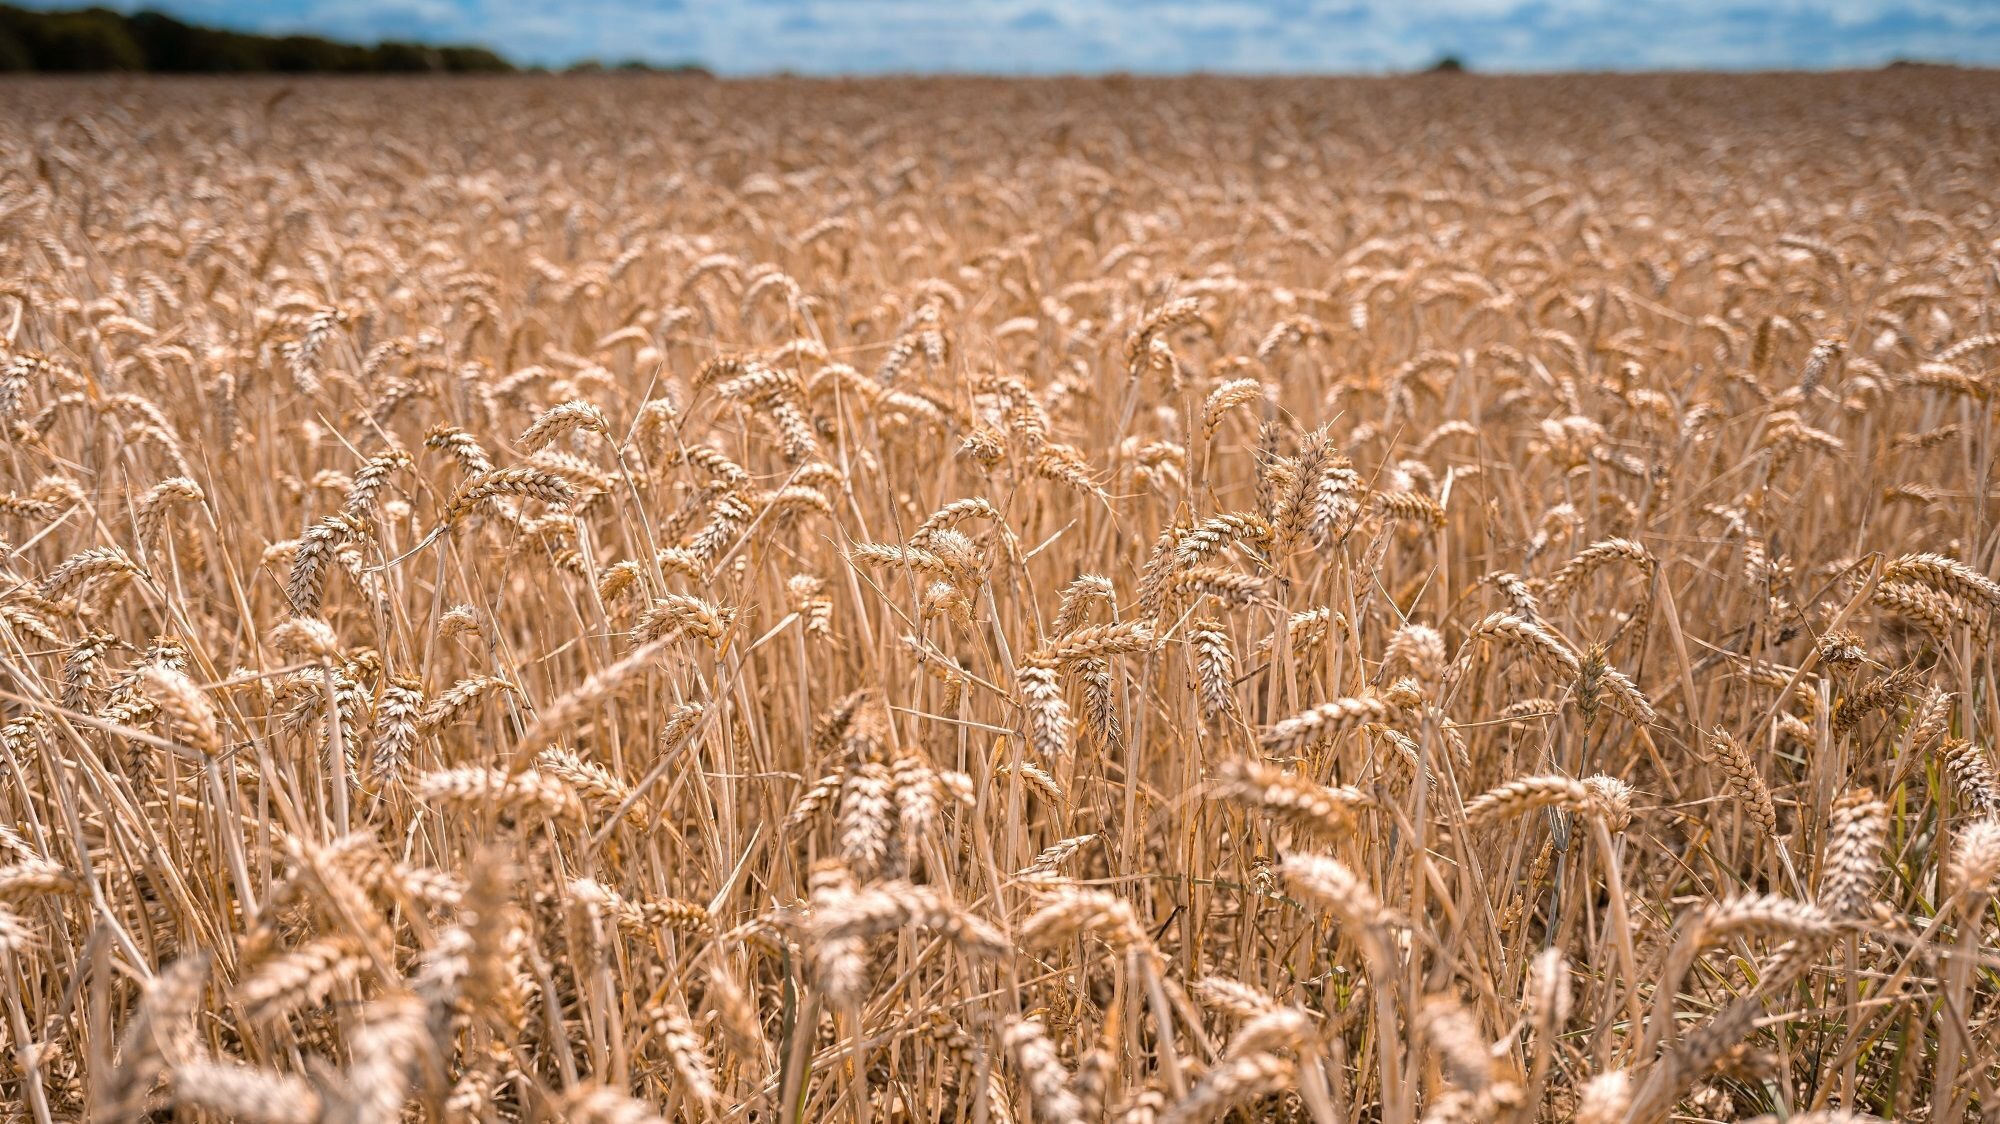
697 71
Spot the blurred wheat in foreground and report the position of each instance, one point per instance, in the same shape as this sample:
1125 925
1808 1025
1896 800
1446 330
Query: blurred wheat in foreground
1410 600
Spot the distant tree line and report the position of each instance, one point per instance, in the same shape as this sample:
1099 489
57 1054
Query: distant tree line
98 39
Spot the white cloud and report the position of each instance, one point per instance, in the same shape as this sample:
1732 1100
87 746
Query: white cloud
1048 36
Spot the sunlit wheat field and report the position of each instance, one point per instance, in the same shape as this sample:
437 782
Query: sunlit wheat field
1446 599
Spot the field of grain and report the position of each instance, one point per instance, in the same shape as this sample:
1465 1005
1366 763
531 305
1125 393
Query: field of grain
1448 599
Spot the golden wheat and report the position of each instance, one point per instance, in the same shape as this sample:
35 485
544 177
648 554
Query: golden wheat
1129 600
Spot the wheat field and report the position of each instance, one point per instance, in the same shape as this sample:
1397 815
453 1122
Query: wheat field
1439 598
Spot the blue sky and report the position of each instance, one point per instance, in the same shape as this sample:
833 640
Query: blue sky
1059 36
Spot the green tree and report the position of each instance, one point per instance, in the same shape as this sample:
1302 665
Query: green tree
92 39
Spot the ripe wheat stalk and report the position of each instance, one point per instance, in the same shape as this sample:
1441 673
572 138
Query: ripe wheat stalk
973 601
